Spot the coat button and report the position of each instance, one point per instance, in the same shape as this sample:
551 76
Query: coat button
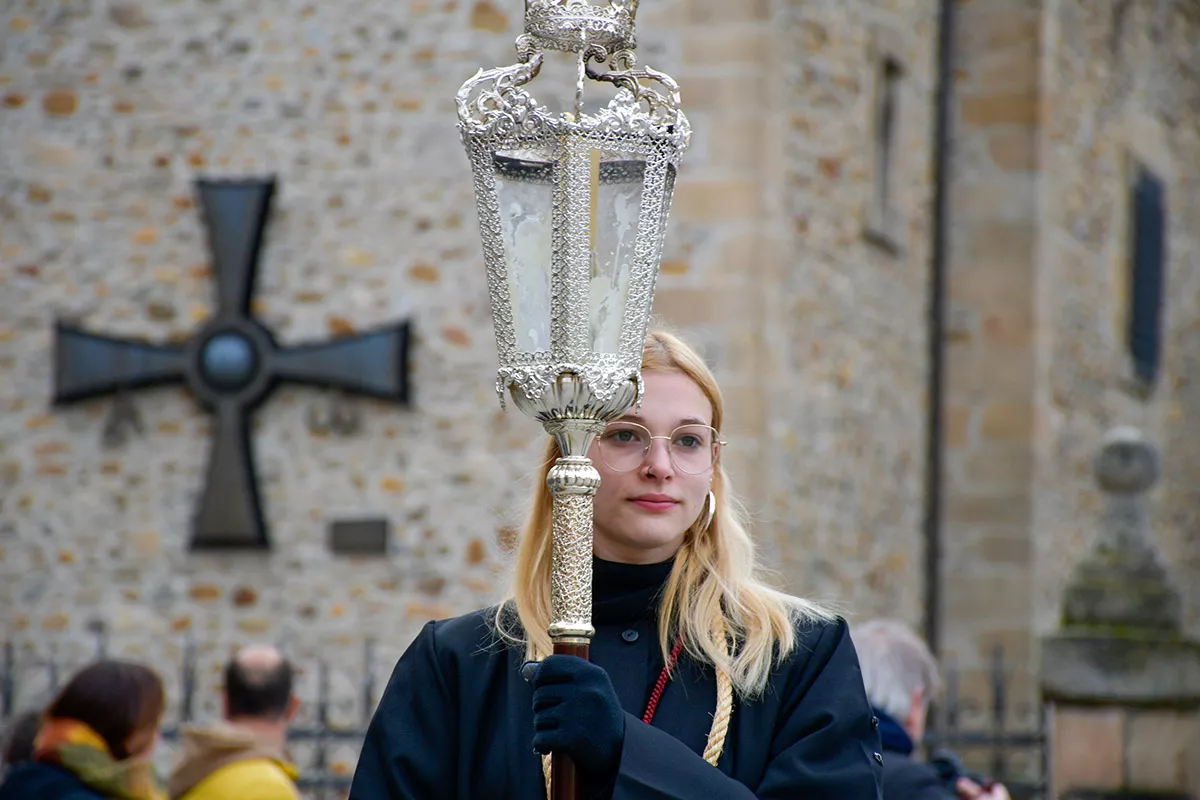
630 635
879 757
874 723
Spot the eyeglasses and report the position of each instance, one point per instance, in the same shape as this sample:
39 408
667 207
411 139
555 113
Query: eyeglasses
694 449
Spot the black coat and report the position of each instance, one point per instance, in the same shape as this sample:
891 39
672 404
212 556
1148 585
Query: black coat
906 779
456 723
31 781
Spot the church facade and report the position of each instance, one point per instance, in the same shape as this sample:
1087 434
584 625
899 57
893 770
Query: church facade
930 268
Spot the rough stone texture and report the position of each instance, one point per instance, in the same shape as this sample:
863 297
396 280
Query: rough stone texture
1115 752
1089 747
109 111
844 319
1053 96
988 536
1121 84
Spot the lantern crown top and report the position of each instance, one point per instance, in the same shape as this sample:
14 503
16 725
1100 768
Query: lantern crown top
575 25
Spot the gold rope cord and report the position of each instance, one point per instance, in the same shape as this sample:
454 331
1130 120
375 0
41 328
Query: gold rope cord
716 734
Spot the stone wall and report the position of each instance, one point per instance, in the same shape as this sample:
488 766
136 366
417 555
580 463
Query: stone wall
1121 83
109 111
987 519
845 318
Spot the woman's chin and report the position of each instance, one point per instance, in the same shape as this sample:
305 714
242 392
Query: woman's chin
648 545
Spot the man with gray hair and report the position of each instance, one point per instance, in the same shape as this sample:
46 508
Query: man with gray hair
901 679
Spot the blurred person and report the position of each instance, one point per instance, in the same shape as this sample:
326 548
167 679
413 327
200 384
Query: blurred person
18 739
95 739
243 757
901 678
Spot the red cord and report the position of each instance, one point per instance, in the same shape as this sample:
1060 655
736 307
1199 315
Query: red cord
661 683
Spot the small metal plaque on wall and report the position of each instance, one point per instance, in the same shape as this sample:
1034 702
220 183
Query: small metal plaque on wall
359 537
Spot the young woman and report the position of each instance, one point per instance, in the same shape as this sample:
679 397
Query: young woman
703 682
95 739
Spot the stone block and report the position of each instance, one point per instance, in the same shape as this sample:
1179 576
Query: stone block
956 425
1015 550
1005 196
964 508
737 144
1006 421
740 44
1164 750
1128 668
681 307
717 201
1088 748
992 243
721 12
1000 108
1014 149
992 279
723 93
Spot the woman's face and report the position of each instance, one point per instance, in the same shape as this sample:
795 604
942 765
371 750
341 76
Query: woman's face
641 515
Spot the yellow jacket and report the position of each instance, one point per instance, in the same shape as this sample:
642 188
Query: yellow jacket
227 763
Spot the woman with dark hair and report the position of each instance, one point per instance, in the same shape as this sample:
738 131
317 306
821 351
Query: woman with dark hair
95 739
18 739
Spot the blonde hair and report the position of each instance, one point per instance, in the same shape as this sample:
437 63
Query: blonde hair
714 599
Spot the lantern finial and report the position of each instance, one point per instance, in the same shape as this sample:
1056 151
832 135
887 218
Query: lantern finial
574 25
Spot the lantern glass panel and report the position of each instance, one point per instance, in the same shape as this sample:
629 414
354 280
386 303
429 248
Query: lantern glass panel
525 195
618 206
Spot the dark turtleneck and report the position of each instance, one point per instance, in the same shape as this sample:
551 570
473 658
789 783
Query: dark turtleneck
626 593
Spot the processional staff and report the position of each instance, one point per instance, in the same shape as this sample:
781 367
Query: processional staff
572 213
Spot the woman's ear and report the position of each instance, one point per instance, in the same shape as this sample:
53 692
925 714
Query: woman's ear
142 741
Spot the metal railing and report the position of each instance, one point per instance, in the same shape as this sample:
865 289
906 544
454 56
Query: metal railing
991 742
995 744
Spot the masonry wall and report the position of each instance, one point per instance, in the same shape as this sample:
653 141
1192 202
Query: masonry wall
109 112
1121 85
987 531
846 312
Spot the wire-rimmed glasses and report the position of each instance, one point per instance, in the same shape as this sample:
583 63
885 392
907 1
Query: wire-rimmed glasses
693 448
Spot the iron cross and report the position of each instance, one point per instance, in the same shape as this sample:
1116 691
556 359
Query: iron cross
231 364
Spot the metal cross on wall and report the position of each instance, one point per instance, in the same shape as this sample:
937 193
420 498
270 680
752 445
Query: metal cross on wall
231 365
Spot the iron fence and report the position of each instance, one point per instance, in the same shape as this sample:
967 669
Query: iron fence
986 735
996 743
321 776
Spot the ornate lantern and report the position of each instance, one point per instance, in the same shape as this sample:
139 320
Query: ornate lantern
573 209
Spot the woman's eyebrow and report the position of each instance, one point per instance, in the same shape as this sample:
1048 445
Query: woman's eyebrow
682 421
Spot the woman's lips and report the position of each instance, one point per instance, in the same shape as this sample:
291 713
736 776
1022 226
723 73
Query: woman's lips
654 503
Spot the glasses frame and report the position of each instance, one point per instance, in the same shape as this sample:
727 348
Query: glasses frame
717 444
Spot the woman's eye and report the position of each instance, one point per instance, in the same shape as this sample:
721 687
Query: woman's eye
689 441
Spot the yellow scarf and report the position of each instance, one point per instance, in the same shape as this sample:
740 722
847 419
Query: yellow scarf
77 748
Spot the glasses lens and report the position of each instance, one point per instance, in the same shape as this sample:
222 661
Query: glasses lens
693 448
623 446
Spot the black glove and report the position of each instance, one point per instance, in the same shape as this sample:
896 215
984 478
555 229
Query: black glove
576 712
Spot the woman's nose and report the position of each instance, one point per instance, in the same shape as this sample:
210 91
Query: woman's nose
658 460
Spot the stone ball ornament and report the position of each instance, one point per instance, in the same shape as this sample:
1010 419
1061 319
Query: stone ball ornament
1126 462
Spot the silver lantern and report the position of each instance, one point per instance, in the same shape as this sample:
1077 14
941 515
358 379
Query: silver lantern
573 208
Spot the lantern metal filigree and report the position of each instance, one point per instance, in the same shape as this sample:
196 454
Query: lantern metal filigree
572 210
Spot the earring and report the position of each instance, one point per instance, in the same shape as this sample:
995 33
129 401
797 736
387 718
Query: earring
712 509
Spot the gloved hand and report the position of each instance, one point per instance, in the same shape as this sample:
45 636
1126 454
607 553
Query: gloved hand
576 712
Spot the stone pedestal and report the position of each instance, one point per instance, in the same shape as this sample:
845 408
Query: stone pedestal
1122 681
